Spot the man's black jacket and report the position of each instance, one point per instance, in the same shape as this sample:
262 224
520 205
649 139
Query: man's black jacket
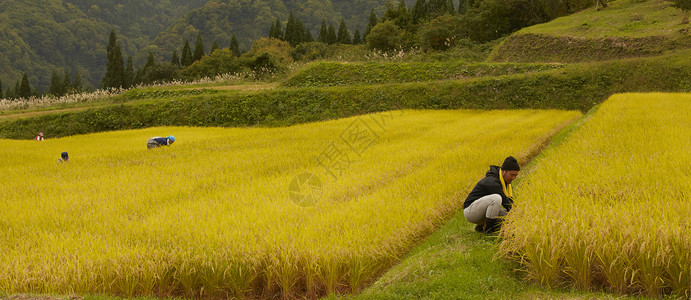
487 186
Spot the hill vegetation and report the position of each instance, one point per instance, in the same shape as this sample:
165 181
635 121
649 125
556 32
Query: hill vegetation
623 29
37 37
72 37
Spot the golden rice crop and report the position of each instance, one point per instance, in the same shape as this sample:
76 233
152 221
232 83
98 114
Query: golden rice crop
211 215
609 208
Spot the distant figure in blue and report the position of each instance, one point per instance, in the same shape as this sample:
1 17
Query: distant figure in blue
156 141
64 157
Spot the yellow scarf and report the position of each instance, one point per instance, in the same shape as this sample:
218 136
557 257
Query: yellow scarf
506 187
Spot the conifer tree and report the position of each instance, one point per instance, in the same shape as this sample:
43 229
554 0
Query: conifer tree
420 11
343 34
299 32
77 84
356 36
332 37
129 73
294 30
276 31
175 59
307 36
437 8
214 47
115 69
272 30
199 51
450 8
24 87
1 94
66 84
55 82
462 6
15 92
372 22
234 46
150 60
186 59
323 33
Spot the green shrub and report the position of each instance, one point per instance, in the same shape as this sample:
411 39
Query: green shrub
222 61
386 37
311 51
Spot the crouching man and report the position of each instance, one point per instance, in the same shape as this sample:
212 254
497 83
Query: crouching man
491 198
156 141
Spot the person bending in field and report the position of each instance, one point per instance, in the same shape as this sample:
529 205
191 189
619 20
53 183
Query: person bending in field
64 157
491 198
156 141
39 137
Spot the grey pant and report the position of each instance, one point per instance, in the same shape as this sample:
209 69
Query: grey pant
487 207
151 143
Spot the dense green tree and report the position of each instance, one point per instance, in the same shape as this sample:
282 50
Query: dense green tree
276 30
214 47
372 22
24 87
299 31
450 8
77 84
150 60
331 34
175 59
156 73
420 11
294 31
399 15
1 94
55 87
67 83
15 92
440 33
356 36
343 34
115 70
129 73
220 62
288 35
385 36
199 51
308 36
462 6
234 46
323 33
186 59
437 8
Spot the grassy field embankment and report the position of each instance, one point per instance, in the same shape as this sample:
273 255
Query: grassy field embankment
626 28
578 86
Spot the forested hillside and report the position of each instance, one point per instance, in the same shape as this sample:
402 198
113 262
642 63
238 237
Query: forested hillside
220 19
37 37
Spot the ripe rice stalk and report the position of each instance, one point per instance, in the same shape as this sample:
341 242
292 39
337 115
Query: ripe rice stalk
210 216
613 198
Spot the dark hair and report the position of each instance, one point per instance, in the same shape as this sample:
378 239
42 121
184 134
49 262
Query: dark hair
510 164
